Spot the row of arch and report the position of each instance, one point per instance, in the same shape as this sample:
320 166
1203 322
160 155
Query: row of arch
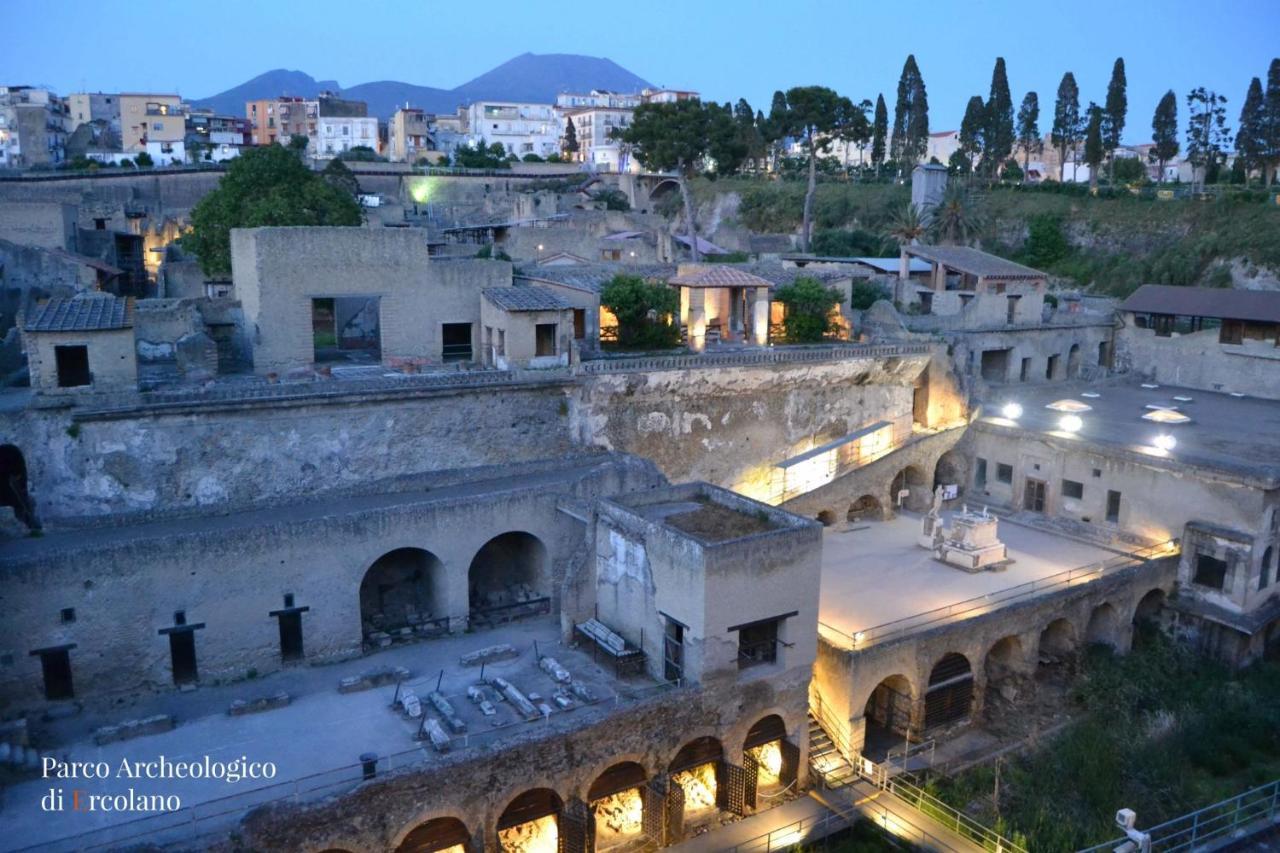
949 694
409 589
622 804
951 468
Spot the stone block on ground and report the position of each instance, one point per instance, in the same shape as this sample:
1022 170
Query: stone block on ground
240 707
489 654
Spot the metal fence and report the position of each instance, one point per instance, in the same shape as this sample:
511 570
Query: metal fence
961 610
1236 817
751 356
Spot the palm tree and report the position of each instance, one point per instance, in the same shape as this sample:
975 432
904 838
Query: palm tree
908 224
956 218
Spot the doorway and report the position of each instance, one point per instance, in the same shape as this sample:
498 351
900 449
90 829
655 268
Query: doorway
1033 495
182 655
290 636
56 668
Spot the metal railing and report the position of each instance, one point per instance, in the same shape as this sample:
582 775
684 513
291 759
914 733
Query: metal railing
1233 817
961 610
210 818
752 355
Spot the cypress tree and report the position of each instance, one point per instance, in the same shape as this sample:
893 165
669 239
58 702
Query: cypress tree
1114 111
1066 119
1029 130
1251 139
1094 145
1271 121
997 141
879 130
1164 130
910 117
973 129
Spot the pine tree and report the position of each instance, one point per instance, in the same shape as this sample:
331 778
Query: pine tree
1164 131
973 129
879 129
1207 135
1066 120
997 137
1271 122
910 118
1251 139
1029 130
1114 111
1094 144
775 129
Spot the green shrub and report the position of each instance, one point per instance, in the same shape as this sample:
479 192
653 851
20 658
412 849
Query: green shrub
865 294
646 312
808 303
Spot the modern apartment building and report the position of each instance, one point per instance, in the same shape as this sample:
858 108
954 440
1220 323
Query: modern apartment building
342 125
408 135
279 119
156 124
521 128
33 127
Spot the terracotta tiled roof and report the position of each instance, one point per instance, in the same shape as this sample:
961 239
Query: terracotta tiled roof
1260 306
973 261
719 275
531 298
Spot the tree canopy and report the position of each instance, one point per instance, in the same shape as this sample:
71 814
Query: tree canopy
910 117
997 136
1029 129
808 309
646 312
1066 119
879 130
1164 130
267 185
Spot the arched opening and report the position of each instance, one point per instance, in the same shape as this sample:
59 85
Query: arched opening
438 834
403 596
694 770
888 717
1104 627
1264 571
949 696
1073 361
618 805
827 517
910 479
530 823
766 747
1004 671
508 579
13 485
1146 616
1057 644
662 190
865 508
952 470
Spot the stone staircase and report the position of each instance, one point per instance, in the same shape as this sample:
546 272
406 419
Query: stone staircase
826 760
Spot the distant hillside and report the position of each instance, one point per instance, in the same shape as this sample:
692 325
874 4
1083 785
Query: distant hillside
529 77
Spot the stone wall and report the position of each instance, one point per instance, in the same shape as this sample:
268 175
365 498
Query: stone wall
50 225
112 363
731 425
278 271
229 572
1198 360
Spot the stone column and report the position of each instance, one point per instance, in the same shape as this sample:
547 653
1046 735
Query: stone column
697 319
760 317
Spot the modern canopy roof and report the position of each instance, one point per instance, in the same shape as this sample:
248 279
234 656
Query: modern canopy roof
96 313
1259 306
974 262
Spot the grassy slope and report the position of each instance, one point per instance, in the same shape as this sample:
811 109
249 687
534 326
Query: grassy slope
1115 243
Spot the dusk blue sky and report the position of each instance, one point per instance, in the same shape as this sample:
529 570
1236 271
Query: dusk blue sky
725 49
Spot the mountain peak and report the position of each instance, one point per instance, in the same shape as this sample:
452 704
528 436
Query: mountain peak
527 77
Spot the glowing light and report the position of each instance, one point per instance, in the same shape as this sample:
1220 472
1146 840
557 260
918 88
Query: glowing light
539 247
1012 411
1072 406
619 815
768 758
699 785
1166 416
859 636
535 836
1070 423
1165 442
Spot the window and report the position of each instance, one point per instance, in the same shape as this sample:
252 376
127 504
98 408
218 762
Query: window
72 363
980 474
179 617
68 615
544 337
579 323
1210 571
1004 473
673 650
1011 311
926 303
1025 374
455 341
758 641
1097 472
1113 507
1072 489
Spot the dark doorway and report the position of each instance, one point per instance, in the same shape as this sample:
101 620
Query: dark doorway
73 366
1025 373
455 341
1011 310
56 666
1051 367
950 694
1033 495
346 328
290 636
13 485
579 323
995 365
182 654
1113 506
544 339
673 651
